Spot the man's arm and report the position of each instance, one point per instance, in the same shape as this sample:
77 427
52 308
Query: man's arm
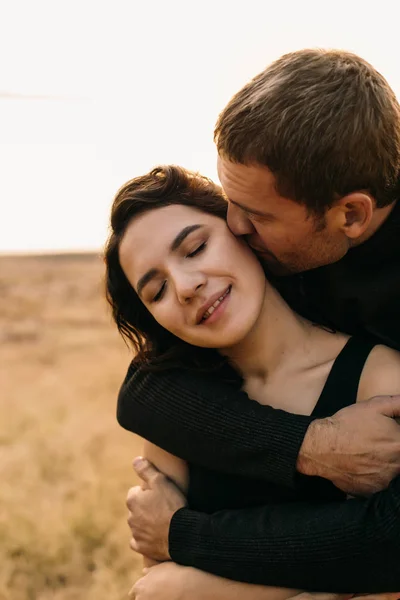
203 420
353 546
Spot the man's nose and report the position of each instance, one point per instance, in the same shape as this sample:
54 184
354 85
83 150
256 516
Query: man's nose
238 222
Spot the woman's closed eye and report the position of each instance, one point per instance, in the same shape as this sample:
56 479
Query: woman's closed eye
197 251
192 254
160 292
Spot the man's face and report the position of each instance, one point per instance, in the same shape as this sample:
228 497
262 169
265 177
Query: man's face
285 237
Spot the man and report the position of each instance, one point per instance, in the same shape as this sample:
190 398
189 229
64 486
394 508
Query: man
309 159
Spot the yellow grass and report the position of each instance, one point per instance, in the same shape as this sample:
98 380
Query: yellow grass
65 464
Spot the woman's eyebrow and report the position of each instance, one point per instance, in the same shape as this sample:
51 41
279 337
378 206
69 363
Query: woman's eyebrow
145 279
175 244
182 235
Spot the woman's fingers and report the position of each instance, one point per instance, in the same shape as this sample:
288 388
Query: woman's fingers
321 596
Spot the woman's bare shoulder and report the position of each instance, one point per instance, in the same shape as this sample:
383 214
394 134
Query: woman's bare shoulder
381 374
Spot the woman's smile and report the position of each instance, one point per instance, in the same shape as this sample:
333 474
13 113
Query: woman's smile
216 308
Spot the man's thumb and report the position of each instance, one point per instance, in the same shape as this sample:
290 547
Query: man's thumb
145 469
388 405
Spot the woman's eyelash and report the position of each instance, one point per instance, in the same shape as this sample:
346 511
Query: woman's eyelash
160 293
197 251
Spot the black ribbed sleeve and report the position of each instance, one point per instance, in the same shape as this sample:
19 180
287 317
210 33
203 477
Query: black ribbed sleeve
349 546
203 420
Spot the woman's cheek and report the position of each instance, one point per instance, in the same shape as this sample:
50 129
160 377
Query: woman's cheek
168 317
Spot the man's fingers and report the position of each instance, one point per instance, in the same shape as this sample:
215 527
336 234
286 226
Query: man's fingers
131 497
133 545
145 470
388 405
150 562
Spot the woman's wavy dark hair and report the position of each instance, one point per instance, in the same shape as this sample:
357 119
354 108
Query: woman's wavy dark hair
153 345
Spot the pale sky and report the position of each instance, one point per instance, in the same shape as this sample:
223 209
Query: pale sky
95 92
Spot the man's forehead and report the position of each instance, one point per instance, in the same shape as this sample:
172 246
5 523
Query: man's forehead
250 181
252 208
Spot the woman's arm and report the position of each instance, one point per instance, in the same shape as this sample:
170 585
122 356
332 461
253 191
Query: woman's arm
169 581
193 584
173 467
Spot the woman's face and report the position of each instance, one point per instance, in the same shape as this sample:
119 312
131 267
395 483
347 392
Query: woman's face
196 278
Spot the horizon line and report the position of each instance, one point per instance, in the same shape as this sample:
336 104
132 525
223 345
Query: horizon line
49 252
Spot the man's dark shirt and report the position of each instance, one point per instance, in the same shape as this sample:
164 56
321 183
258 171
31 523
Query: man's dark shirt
358 294
345 546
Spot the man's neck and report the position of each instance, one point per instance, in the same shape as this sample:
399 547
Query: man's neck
379 217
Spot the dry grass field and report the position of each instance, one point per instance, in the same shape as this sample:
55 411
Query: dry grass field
65 464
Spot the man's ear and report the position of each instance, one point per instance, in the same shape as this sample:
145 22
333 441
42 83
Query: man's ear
356 211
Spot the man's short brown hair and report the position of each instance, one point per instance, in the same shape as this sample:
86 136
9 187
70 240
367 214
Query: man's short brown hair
325 122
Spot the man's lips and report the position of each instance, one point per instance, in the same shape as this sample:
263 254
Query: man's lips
209 303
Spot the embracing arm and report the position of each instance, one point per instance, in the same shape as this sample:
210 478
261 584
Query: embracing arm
203 420
200 419
352 546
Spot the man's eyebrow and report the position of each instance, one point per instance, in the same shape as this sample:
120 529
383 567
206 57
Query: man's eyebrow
176 243
182 235
250 210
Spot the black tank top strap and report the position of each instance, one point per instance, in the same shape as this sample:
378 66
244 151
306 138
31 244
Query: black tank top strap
341 387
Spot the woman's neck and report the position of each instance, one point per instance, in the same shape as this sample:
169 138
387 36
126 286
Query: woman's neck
278 336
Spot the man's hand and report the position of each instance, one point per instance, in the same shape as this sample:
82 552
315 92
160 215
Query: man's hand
358 448
151 510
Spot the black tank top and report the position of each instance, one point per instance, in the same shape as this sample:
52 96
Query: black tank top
210 491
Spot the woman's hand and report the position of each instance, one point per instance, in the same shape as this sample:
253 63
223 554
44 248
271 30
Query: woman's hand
322 596
169 581
165 581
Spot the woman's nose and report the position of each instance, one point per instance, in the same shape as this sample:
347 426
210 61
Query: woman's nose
188 288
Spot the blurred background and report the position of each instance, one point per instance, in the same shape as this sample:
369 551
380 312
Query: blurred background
93 93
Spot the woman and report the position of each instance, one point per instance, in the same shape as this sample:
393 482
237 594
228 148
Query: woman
186 293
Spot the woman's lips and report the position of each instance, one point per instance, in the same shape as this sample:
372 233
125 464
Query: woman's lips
217 311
